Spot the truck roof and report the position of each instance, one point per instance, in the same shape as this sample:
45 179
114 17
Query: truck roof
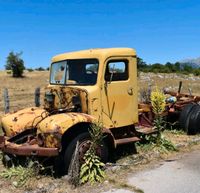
95 53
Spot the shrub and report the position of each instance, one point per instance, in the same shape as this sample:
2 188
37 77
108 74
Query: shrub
30 70
40 69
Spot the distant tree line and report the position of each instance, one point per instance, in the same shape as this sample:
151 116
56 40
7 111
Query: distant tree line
177 67
15 64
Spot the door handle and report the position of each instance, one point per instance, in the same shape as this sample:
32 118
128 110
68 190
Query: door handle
130 90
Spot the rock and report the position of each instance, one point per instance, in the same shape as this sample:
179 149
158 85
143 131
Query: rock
160 76
66 177
15 183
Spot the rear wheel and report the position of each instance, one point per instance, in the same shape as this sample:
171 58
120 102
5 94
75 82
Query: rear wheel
84 144
185 116
194 121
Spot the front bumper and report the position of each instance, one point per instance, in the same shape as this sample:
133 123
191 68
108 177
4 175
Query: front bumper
26 149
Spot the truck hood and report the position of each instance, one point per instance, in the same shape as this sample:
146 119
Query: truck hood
66 98
28 118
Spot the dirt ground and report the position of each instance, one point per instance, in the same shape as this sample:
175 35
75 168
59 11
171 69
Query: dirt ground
127 163
21 92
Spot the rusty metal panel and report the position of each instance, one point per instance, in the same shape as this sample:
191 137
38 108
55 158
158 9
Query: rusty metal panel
14 123
59 123
63 98
51 129
26 149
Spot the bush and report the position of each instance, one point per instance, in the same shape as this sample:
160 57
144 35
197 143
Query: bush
40 69
197 72
30 70
15 64
9 71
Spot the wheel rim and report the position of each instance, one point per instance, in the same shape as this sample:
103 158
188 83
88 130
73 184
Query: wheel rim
83 147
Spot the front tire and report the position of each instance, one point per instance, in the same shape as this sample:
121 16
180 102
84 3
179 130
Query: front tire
84 144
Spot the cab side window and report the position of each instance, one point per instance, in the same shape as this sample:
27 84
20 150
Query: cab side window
116 70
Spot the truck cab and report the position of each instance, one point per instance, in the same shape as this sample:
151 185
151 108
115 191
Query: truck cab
106 79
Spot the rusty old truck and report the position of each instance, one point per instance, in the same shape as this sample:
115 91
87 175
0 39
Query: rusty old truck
86 87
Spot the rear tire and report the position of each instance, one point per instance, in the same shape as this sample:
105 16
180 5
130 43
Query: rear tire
84 139
194 121
185 116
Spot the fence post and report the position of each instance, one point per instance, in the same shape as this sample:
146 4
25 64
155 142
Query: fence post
6 101
149 90
37 97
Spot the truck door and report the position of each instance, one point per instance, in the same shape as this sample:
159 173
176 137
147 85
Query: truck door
119 96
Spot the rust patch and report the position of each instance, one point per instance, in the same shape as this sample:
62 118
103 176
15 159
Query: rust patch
26 149
15 123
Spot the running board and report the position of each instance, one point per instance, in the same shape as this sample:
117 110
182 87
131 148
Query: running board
126 140
146 130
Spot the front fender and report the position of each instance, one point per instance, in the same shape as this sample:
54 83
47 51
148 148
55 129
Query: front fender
28 118
51 129
60 123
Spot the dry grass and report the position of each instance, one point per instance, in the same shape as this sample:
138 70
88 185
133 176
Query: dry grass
21 90
170 81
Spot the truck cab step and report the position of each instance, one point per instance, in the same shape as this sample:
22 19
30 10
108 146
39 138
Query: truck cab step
146 130
126 140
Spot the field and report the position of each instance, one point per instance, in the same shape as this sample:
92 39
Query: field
21 93
21 90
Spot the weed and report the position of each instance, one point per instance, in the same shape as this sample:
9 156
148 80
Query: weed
158 102
157 140
162 145
21 174
177 132
92 170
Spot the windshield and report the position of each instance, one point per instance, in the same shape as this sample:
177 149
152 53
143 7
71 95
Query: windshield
79 72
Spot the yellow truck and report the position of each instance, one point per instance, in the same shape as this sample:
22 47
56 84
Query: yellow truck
86 87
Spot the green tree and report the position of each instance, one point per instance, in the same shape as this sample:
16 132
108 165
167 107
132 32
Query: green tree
40 69
170 67
15 63
187 69
177 66
141 65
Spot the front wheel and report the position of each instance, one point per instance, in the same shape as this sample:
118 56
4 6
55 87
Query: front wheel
84 144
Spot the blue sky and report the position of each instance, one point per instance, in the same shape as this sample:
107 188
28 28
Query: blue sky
159 30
